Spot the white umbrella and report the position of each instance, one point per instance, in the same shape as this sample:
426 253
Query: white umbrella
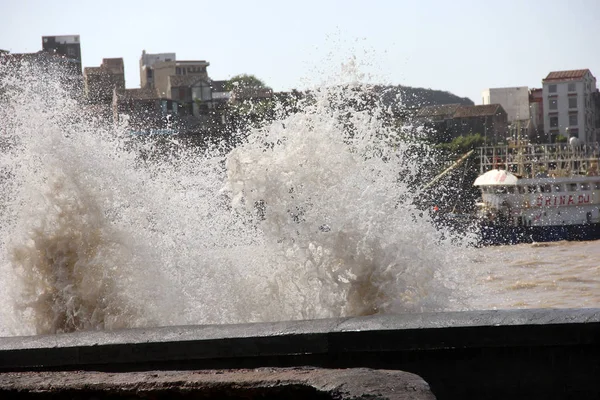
496 177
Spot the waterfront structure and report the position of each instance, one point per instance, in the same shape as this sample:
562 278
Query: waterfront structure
539 193
568 105
521 130
99 82
68 46
514 100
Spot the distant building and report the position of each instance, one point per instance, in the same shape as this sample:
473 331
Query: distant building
147 62
220 94
51 64
155 70
536 116
452 120
100 82
514 100
144 111
489 120
68 46
439 119
192 91
568 105
596 101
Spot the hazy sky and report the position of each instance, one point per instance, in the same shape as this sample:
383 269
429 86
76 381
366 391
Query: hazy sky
462 46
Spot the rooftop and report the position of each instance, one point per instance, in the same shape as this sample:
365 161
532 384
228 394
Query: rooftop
478 111
116 65
37 56
446 110
137 94
192 62
566 75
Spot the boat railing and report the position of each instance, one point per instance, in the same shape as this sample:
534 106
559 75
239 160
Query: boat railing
531 160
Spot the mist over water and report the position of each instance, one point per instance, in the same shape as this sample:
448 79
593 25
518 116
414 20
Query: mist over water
311 216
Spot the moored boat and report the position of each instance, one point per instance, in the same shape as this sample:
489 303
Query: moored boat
539 193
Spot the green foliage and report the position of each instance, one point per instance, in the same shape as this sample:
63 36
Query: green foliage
244 81
562 139
462 144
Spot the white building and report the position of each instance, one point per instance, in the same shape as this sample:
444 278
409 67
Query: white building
568 105
514 100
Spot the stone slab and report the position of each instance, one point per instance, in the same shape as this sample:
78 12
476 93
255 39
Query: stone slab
271 383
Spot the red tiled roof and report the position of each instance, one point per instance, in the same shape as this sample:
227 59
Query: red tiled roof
566 75
477 111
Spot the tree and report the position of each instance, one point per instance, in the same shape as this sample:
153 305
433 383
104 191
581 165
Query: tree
244 81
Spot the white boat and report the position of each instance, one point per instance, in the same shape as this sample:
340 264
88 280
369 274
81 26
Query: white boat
539 193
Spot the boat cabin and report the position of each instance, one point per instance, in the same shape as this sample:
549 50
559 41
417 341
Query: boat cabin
539 185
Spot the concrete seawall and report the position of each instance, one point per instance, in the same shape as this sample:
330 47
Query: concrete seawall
488 354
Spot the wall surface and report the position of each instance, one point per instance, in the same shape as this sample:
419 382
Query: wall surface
526 354
514 100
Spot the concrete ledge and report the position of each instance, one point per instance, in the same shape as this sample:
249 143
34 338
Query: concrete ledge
290 383
492 354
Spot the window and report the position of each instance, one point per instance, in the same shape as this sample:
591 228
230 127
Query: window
178 71
558 188
522 189
510 189
552 88
547 188
585 186
553 104
553 122
572 119
572 187
572 102
596 185
571 87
